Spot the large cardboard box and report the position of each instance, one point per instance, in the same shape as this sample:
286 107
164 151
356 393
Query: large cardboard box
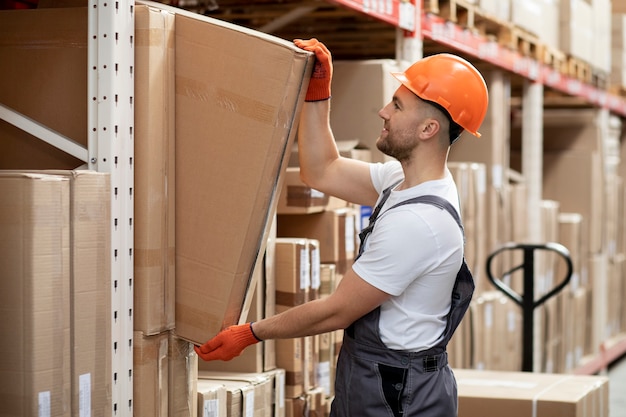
576 37
334 229
154 172
151 374
521 394
90 287
238 96
298 198
247 394
34 295
43 75
90 251
183 377
211 399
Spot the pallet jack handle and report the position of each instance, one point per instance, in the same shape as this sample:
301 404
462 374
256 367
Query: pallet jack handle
527 300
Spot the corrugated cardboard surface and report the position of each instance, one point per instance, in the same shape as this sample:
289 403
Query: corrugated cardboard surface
154 234
211 398
248 395
90 292
34 295
238 94
151 374
527 394
183 377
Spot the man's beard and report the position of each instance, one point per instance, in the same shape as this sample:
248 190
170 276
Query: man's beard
400 150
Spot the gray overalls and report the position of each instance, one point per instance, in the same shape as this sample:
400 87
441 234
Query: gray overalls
373 380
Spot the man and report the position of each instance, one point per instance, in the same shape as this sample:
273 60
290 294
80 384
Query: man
409 287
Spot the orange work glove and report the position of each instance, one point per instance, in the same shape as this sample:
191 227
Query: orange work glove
228 343
319 85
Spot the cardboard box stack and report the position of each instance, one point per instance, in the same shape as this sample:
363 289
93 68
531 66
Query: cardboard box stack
55 226
55 261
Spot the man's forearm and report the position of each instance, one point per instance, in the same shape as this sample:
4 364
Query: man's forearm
316 144
304 320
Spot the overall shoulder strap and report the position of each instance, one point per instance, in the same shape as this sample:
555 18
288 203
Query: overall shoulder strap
385 195
436 201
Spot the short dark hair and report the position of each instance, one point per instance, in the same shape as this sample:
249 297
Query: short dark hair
455 129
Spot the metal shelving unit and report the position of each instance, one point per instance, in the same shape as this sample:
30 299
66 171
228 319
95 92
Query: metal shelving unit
111 31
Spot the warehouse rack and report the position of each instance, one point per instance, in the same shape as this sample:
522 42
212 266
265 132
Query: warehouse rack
110 149
111 119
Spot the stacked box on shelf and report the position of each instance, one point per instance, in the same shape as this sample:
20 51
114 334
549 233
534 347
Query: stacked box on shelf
601 29
570 228
165 373
539 18
35 367
183 377
525 394
492 150
574 175
154 191
547 317
334 229
499 9
89 304
576 23
211 398
329 342
90 246
246 394
617 77
298 198
150 374
471 180
573 168
293 281
355 109
497 329
258 394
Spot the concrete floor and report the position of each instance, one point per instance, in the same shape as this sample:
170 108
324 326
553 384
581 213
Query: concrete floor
617 388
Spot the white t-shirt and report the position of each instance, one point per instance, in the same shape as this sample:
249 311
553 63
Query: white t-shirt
414 254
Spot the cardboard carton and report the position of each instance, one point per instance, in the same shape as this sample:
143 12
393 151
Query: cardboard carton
154 201
35 294
238 96
521 394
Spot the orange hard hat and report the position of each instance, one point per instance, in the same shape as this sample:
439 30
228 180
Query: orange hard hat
454 84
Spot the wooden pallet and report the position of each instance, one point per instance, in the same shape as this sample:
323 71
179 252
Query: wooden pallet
468 16
579 70
523 42
554 58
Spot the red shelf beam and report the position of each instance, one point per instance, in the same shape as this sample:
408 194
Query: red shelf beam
402 14
398 13
447 33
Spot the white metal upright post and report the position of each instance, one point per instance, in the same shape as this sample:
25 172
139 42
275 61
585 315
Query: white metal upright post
532 170
111 33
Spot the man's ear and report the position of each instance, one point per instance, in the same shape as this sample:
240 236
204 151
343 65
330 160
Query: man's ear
430 128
